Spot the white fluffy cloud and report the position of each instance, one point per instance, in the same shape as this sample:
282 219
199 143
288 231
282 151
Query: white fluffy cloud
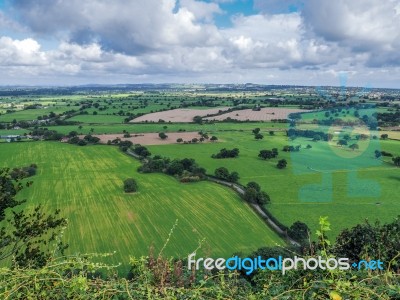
168 40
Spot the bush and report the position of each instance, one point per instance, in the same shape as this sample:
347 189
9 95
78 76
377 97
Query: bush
282 164
130 185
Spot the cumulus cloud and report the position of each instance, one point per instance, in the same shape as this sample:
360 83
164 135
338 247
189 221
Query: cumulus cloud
131 27
179 38
364 26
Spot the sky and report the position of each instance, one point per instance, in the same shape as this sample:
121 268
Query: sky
310 42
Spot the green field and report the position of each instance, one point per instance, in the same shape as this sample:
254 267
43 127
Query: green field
284 185
86 184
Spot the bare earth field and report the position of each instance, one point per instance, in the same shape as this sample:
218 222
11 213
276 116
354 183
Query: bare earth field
181 115
150 138
265 114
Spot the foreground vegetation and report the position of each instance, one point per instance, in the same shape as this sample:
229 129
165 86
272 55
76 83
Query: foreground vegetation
157 277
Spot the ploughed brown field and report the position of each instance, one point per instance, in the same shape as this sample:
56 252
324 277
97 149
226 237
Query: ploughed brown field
150 138
180 115
265 114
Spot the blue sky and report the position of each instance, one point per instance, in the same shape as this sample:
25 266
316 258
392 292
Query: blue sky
201 41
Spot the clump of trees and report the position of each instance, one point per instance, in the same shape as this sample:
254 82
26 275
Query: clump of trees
130 185
24 172
140 150
225 153
268 154
187 170
46 134
315 135
223 174
290 148
88 139
254 194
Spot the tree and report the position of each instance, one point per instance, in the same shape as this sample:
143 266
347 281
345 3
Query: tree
342 142
378 154
299 231
396 161
72 134
179 140
384 136
175 168
282 164
198 119
213 138
258 136
354 146
233 177
130 185
195 140
309 146
256 131
250 195
317 138
271 133
221 173
24 234
254 185
162 135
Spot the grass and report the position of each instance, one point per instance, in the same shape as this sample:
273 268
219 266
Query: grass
287 187
86 184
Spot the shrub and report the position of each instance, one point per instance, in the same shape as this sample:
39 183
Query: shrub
130 185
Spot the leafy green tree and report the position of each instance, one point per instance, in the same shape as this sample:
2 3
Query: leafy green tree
179 140
378 154
29 237
282 164
256 131
299 231
258 136
130 185
233 177
317 138
396 161
384 136
162 135
354 147
213 138
254 185
198 119
221 173
175 168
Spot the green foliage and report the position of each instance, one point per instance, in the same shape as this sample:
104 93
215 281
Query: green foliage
29 236
225 153
157 277
130 185
162 135
282 164
223 173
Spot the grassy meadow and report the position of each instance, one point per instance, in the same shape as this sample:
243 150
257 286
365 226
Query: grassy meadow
86 184
351 184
